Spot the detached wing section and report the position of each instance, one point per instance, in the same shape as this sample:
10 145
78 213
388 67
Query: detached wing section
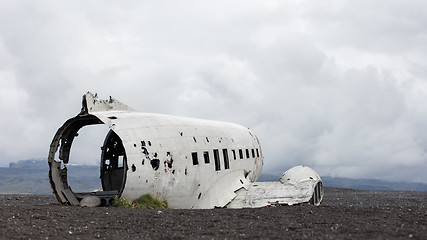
299 184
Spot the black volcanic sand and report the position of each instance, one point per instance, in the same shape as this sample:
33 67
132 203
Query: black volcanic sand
344 213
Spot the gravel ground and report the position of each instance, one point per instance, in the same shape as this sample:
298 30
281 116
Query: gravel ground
343 214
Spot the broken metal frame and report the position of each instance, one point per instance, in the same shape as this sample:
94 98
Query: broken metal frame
58 171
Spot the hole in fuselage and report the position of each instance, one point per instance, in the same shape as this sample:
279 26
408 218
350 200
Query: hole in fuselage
83 165
155 163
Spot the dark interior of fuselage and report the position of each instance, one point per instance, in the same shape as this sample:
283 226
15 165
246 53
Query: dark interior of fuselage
113 163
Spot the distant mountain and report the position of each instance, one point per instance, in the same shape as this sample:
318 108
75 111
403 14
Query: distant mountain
372 184
31 176
362 184
31 163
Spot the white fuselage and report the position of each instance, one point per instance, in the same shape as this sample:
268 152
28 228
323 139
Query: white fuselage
190 163
182 159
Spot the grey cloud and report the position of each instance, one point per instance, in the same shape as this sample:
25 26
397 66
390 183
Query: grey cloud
276 68
374 26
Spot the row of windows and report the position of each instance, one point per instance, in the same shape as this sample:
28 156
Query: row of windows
216 155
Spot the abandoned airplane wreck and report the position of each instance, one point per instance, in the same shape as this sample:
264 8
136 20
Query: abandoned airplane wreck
191 163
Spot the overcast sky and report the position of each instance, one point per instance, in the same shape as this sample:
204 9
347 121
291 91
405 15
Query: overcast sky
340 86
